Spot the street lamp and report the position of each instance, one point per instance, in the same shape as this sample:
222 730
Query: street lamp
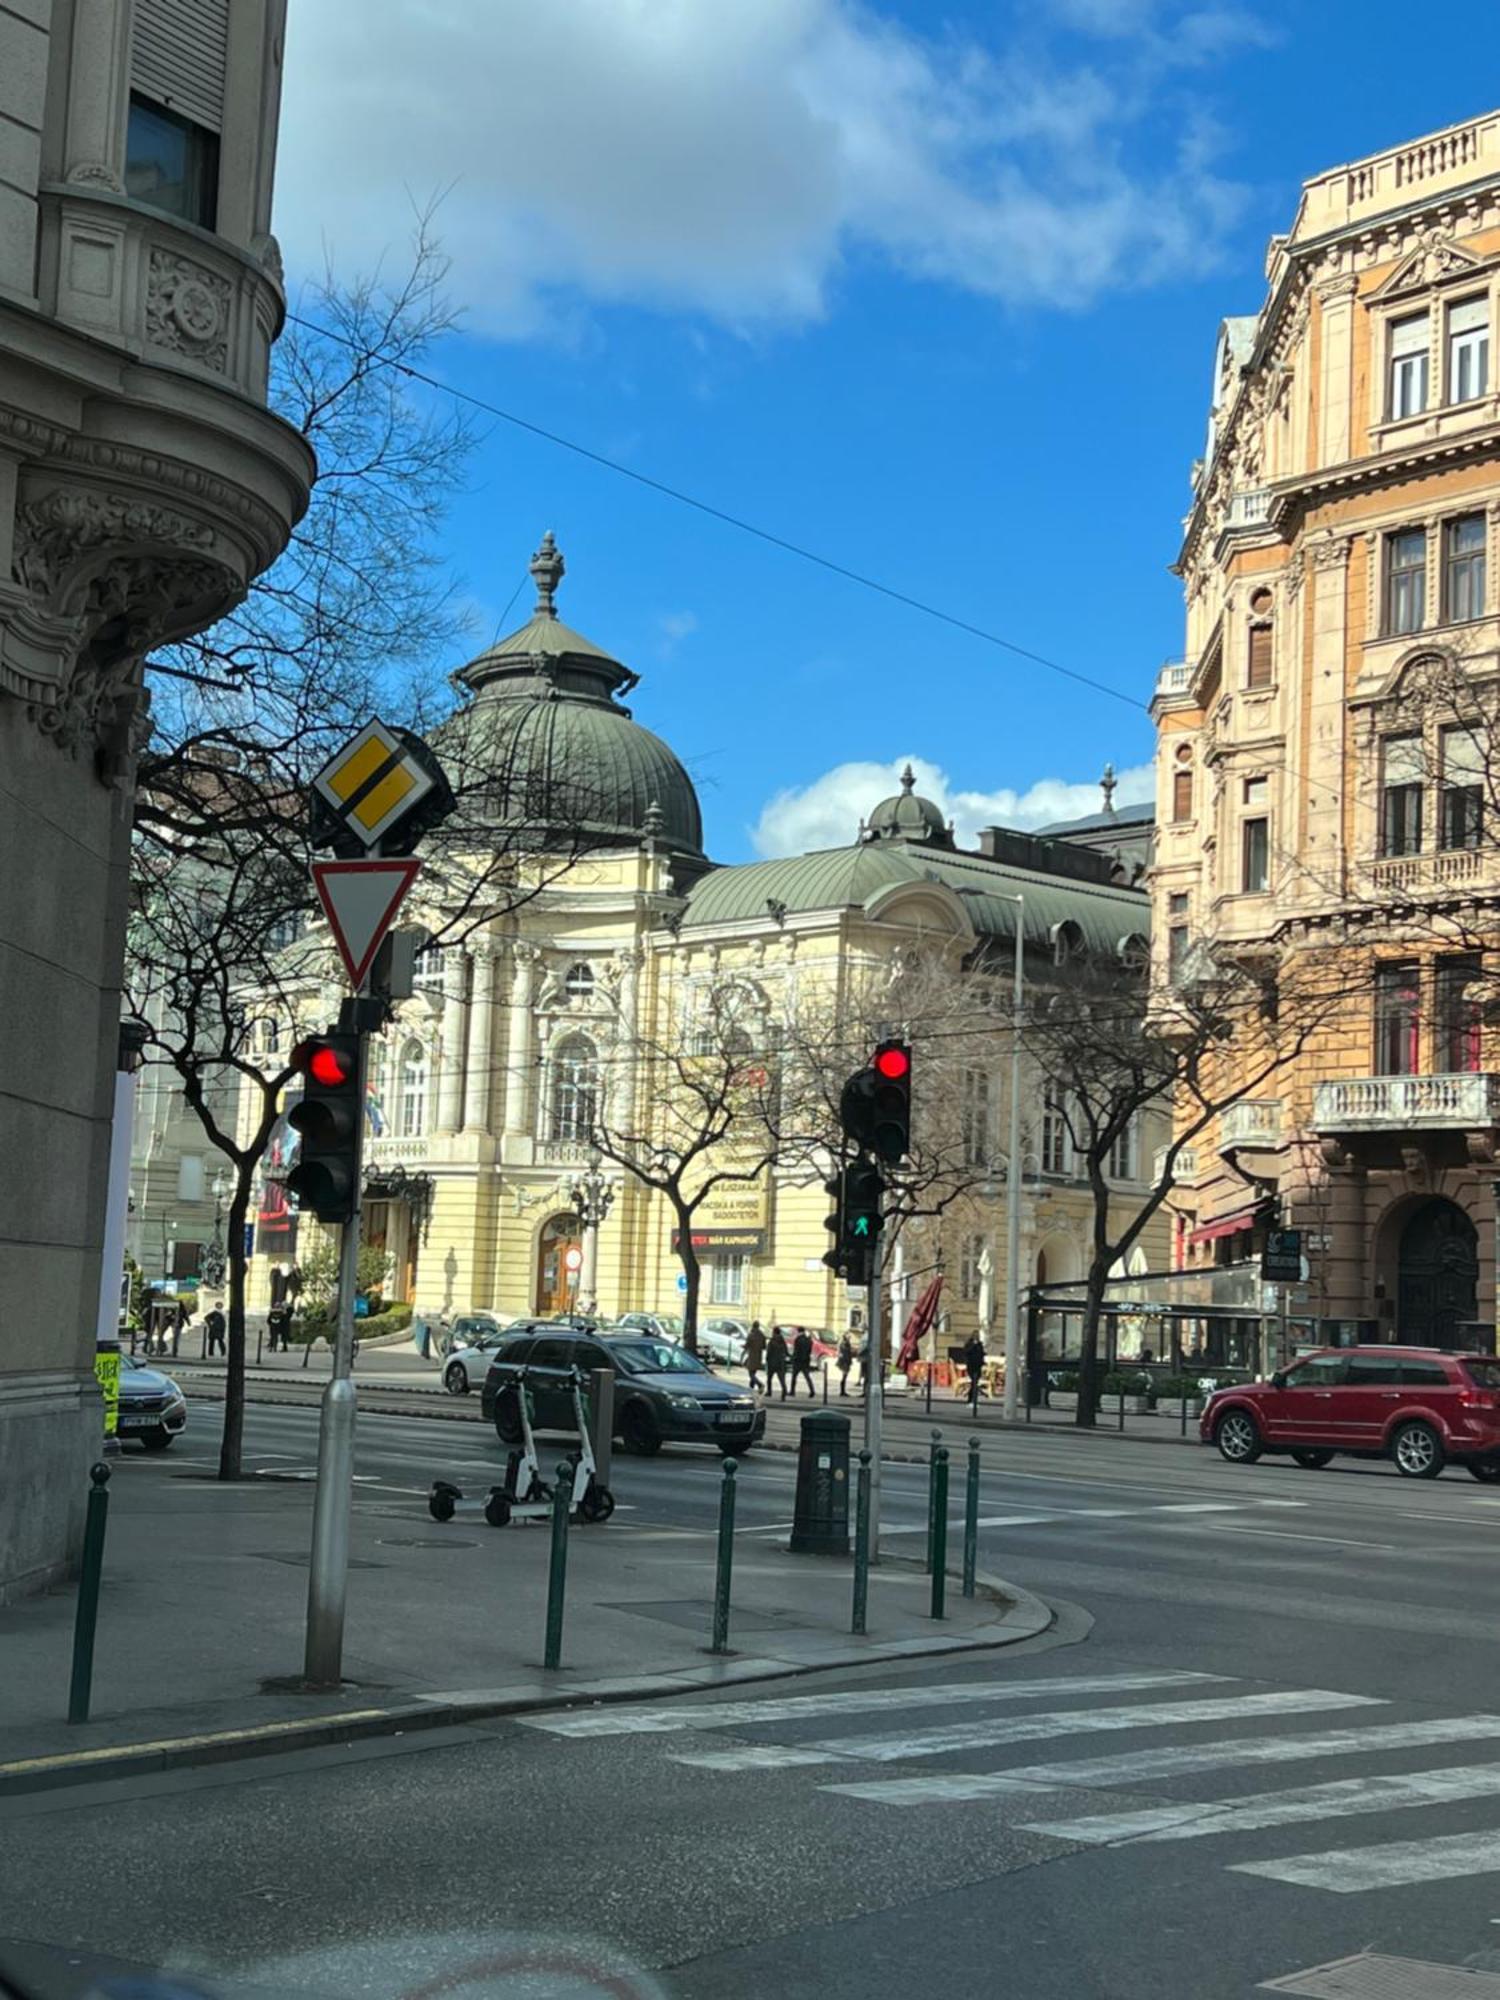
1013 1161
592 1193
214 1260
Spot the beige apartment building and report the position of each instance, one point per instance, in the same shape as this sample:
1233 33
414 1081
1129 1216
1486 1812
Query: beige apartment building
1326 804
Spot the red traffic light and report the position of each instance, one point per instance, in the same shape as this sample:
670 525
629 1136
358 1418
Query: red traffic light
893 1063
329 1066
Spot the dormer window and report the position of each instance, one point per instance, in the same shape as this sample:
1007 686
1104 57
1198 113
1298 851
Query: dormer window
1408 397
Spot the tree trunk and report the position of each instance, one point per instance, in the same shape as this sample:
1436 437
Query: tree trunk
692 1270
232 1447
1088 1347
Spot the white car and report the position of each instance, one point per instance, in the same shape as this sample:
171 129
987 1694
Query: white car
724 1340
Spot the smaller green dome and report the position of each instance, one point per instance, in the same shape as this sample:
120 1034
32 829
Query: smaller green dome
908 816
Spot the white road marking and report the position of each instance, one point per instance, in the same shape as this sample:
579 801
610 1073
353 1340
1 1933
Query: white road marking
671 1716
1131 1767
1343 1799
1396 1864
1293 1535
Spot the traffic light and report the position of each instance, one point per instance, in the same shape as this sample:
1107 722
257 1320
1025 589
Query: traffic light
855 1222
875 1108
326 1176
833 1256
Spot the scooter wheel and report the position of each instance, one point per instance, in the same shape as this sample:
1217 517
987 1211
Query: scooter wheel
497 1510
440 1506
597 1504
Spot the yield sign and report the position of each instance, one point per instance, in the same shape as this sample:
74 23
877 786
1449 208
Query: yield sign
360 900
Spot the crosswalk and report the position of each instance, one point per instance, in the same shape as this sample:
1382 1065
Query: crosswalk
1197 1731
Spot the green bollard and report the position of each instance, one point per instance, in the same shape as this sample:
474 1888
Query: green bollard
971 1519
940 1530
86 1617
932 1458
861 1543
557 1574
726 1559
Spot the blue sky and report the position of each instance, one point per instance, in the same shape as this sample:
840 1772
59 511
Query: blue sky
931 291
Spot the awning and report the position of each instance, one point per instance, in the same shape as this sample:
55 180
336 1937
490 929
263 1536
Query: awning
1227 1225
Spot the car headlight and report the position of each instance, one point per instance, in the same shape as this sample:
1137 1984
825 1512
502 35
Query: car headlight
684 1402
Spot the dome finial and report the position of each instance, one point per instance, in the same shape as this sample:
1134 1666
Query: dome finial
548 567
908 779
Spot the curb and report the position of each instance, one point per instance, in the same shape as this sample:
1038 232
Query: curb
1026 1615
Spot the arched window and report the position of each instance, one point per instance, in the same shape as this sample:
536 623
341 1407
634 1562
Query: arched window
575 1090
1258 662
413 1088
579 983
1182 785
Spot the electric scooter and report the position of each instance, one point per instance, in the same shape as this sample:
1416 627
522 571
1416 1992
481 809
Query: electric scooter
524 1496
591 1500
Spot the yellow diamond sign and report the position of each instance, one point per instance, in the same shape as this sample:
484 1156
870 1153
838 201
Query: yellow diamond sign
372 782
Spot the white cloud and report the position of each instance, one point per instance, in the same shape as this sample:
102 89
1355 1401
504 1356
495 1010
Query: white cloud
827 812
675 626
726 157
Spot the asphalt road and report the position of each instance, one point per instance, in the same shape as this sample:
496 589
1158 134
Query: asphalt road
1264 1736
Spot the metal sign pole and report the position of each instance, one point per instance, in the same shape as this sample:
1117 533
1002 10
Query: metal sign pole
874 1345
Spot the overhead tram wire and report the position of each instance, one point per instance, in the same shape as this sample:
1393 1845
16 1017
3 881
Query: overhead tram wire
736 521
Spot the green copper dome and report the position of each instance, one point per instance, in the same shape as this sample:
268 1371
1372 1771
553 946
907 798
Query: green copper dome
908 816
546 734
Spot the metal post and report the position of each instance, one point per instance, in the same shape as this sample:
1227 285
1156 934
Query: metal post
260 1334
1182 1422
861 1543
557 1571
934 1446
86 1617
1122 1409
328 1573
725 1567
825 1385
971 1518
873 1401
1013 1175
940 1536
931 1368
1286 1325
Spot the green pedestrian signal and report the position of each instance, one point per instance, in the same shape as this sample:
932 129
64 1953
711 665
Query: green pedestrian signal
862 1225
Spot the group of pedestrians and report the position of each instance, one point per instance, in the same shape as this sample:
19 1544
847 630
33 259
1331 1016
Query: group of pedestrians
773 1357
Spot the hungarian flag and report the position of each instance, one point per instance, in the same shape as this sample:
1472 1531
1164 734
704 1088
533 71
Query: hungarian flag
923 1313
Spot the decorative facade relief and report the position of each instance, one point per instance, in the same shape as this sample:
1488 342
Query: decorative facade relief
187 309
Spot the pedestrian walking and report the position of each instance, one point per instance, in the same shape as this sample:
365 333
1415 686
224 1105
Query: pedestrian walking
776 1360
846 1362
215 1327
755 1352
974 1362
802 1360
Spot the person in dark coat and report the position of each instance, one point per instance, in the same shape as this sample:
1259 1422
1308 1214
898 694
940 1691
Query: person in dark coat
215 1326
776 1359
802 1360
974 1358
755 1351
846 1362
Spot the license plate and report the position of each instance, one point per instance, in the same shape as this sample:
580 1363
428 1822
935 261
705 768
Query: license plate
135 1423
734 1416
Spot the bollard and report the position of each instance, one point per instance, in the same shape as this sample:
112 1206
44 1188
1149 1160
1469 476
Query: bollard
557 1572
1182 1425
86 1617
971 1519
940 1531
825 1385
726 1559
932 1458
861 1542
931 1368
1122 1409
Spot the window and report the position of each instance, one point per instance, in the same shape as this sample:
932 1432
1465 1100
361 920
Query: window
1408 394
1464 753
286 930
190 1177
1182 794
1463 568
1322 1371
1177 934
1373 1371
970 1256
1257 793
1406 580
1428 1374
1398 1020
1054 1130
1255 857
1401 795
171 163
726 1280
579 983
575 1090
413 1087
1468 349
976 1118
1459 1014
427 968
1121 1165
1258 670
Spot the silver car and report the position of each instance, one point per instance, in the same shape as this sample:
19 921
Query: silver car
474 1340
724 1340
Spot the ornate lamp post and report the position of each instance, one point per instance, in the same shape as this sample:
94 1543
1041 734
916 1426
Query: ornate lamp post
592 1193
214 1259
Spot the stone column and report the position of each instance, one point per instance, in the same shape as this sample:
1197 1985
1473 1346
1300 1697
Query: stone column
622 1112
481 1056
1323 755
98 93
518 1039
451 1060
1336 297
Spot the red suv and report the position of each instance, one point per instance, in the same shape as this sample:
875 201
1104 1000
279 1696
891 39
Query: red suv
1412 1404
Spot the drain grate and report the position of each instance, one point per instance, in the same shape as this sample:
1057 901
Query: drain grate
1372 1976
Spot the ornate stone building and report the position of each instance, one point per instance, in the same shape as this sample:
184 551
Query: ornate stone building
486 1088
142 484
1325 795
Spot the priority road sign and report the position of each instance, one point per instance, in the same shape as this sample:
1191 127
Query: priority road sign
360 900
372 782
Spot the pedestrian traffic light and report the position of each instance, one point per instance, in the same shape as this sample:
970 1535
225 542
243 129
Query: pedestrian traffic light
325 1179
833 1257
861 1220
875 1108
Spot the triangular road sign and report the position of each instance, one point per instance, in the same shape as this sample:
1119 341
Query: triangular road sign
360 900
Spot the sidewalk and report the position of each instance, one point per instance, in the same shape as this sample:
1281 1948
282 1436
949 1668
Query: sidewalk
201 1623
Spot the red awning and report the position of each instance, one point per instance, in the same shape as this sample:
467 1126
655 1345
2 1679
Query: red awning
1227 1225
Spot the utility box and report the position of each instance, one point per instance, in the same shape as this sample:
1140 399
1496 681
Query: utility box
820 1523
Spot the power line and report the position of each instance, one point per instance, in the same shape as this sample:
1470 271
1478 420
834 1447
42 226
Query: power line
729 520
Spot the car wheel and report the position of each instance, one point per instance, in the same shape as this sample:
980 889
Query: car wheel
736 1450
1238 1438
1313 1460
1418 1451
1487 1469
156 1440
507 1418
639 1432
455 1381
